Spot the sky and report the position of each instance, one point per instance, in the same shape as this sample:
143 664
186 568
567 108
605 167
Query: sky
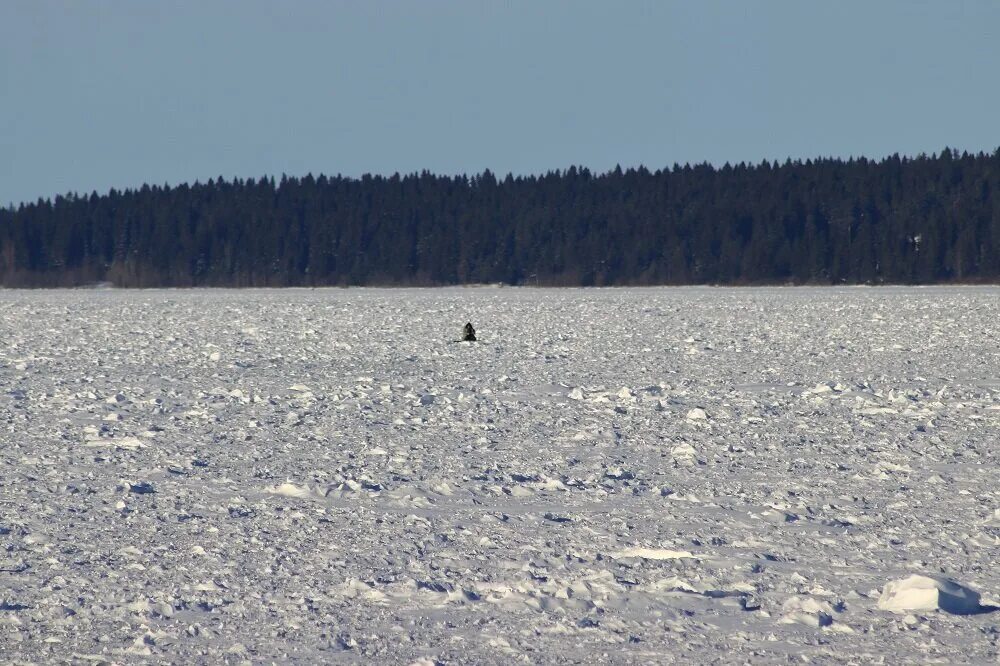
117 93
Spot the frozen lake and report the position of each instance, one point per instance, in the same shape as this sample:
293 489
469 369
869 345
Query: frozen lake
625 475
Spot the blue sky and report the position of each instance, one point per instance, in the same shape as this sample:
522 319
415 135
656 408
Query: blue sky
102 94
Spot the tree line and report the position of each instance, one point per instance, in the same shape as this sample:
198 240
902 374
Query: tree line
924 219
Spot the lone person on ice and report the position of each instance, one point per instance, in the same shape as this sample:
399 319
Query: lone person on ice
468 333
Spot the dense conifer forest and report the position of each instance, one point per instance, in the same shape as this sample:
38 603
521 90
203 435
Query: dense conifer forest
925 219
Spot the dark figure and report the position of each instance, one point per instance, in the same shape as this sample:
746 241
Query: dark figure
468 333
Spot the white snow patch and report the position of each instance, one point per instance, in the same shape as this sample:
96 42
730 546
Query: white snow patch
290 490
808 611
653 554
926 593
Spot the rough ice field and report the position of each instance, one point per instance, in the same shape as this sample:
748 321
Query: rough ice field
621 476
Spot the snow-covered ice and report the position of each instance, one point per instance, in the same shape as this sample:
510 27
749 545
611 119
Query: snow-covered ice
684 475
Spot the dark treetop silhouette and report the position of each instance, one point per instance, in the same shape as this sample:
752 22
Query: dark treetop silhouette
904 220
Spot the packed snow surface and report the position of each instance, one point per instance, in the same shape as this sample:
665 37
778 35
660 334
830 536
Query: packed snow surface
608 476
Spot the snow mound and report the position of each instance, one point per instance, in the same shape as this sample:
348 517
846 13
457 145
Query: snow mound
289 490
653 554
924 593
808 611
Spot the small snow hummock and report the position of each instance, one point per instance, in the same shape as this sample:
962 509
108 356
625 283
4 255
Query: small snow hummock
697 414
808 611
653 554
925 593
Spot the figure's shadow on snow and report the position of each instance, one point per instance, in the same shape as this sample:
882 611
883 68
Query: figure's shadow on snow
959 609
982 610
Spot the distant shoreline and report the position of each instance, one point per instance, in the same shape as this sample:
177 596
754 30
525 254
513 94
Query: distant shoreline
923 220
